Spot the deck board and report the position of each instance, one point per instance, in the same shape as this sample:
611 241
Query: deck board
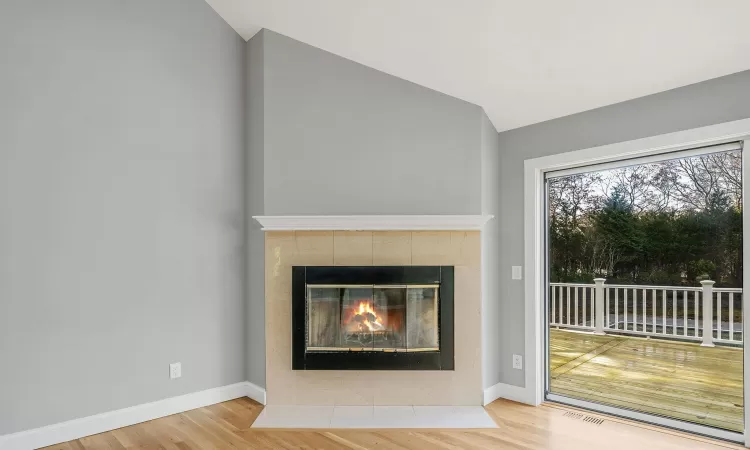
681 380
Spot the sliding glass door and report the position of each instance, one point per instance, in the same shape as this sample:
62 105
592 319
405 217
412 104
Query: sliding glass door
644 295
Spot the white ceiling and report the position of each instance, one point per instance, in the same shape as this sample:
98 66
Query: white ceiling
524 61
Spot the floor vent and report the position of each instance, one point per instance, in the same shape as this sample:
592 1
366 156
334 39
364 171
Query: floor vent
585 418
594 420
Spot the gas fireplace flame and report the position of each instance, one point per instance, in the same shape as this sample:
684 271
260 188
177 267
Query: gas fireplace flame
366 318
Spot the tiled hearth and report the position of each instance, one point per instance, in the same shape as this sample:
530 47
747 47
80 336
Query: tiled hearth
374 417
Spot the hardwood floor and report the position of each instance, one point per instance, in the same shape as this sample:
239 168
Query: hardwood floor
227 426
677 379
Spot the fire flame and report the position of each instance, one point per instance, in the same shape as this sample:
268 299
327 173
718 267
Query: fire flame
366 317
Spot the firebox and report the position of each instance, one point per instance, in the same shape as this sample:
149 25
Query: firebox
372 318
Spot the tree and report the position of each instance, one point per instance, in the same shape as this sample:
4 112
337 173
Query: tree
667 223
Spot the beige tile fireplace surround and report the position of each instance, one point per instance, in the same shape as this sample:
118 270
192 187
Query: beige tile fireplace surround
461 249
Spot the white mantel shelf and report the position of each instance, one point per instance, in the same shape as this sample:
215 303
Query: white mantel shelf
379 222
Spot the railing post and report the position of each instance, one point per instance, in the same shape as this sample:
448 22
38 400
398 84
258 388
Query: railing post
708 313
599 305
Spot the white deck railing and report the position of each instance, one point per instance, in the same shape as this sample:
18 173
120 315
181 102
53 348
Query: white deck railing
675 312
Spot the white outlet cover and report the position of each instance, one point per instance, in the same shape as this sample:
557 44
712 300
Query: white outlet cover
517 273
175 370
518 362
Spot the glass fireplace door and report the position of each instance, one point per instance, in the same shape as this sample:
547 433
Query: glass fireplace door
387 318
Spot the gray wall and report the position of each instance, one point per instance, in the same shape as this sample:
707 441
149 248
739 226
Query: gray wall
121 205
126 129
342 138
719 100
330 136
491 363
255 350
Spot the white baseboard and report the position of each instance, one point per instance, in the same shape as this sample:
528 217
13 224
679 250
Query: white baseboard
256 393
507 391
99 423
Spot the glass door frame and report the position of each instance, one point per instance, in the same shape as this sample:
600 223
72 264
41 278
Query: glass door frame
535 288
634 414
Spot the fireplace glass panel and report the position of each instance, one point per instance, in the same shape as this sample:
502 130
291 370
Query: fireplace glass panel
360 325
422 318
372 318
323 317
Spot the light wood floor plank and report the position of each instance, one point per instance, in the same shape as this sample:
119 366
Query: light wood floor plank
227 426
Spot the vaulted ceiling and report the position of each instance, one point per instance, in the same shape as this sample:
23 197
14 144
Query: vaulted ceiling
524 61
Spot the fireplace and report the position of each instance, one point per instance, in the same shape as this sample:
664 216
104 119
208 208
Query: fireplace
372 318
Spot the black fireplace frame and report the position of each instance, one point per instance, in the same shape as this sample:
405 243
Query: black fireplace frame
376 275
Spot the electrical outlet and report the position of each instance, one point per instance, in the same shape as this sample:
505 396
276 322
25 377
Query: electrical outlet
175 370
518 362
517 272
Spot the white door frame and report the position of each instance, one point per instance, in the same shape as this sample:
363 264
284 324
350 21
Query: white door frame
534 170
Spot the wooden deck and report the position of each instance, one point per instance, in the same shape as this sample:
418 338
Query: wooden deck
675 379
